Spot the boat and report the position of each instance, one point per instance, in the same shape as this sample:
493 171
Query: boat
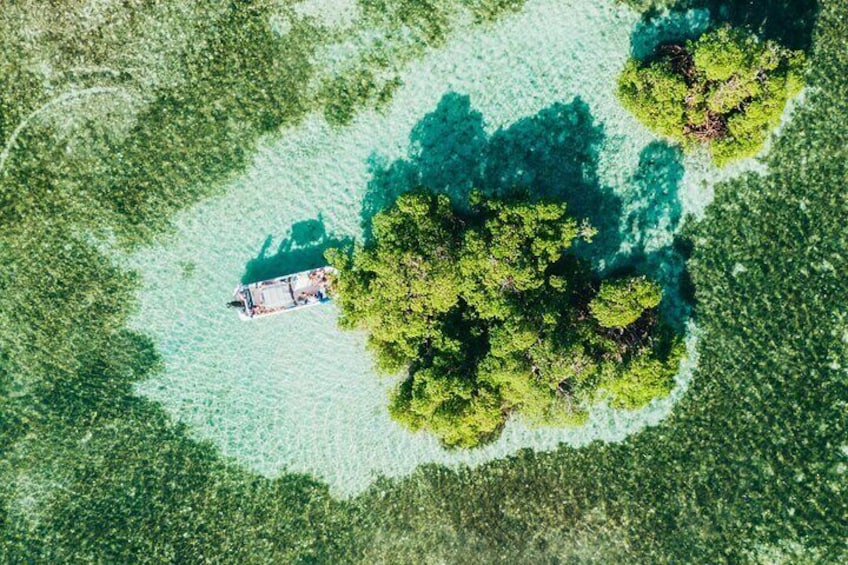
286 293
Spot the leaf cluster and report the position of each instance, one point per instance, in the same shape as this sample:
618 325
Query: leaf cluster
620 303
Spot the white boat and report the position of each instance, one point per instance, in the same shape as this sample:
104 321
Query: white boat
282 294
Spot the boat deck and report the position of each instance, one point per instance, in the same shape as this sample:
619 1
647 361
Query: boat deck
282 294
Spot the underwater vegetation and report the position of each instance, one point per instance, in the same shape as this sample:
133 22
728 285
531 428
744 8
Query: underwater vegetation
405 29
750 467
112 119
726 90
489 316
174 98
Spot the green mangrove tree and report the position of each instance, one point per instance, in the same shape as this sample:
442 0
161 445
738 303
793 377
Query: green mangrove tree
727 89
488 315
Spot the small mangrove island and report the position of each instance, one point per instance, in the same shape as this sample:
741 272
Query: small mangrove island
489 315
727 90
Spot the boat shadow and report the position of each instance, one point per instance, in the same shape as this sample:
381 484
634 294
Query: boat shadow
300 250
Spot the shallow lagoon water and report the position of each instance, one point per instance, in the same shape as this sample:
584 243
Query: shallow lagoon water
293 393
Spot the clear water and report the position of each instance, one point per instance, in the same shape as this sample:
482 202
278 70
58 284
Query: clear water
293 392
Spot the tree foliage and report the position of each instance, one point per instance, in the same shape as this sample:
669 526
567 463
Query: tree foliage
620 303
489 316
726 89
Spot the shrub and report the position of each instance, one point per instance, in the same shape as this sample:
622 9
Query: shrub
647 377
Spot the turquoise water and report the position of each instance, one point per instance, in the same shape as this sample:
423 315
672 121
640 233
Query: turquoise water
293 392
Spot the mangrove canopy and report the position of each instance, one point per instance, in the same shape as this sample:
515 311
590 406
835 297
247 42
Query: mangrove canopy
488 315
727 89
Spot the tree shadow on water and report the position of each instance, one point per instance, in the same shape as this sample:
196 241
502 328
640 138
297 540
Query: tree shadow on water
446 155
302 249
789 22
448 147
655 204
668 27
650 228
552 155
